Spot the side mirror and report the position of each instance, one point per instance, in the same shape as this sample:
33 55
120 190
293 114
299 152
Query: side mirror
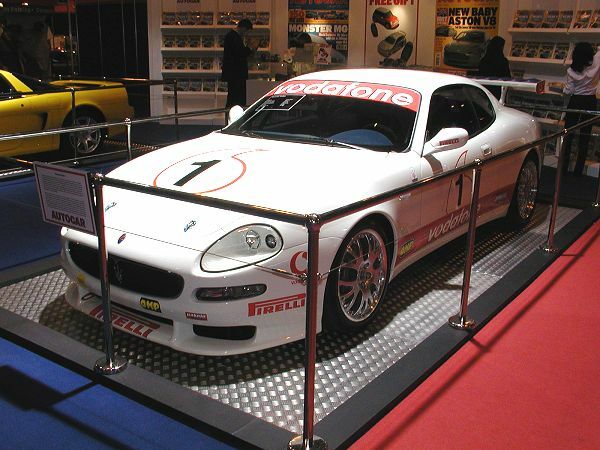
234 114
446 139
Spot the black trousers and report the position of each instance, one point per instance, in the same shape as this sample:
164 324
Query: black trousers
588 103
236 93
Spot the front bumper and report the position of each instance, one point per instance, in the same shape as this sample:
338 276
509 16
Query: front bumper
185 323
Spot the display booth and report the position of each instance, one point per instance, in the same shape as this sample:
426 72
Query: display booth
334 386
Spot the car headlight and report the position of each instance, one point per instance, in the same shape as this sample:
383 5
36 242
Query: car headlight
241 247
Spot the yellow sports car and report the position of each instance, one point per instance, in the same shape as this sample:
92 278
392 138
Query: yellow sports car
27 104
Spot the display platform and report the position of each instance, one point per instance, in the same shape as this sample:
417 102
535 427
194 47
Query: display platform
257 398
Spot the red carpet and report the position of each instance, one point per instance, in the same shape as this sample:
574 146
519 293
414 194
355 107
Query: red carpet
530 379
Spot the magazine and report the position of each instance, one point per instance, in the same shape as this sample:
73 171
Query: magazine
169 18
194 63
208 41
194 41
181 41
169 63
564 19
536 18
262 18
181 64
209 85
532 49
582 19
521 19
546 50
196 85
517 49
561 50
168 41
595 22
550 19
181 18
206 63
183 85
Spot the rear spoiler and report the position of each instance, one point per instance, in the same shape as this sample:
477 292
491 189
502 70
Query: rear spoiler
529 84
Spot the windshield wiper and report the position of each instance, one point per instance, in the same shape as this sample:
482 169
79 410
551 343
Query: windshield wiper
246 133
329 141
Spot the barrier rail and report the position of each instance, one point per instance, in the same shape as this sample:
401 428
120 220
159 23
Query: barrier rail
128 123
313 223
132 82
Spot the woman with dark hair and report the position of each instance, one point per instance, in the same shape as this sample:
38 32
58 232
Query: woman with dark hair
582 81
494 63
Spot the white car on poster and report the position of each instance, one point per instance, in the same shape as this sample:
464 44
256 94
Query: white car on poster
216 282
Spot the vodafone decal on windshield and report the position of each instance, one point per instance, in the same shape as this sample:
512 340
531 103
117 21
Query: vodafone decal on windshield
407 98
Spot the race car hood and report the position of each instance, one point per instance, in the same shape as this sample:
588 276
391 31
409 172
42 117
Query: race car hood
294 177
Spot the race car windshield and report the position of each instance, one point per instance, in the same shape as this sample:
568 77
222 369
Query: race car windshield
36 85
329 120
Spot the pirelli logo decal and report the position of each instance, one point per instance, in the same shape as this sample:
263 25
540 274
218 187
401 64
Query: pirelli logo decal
130 323
276 305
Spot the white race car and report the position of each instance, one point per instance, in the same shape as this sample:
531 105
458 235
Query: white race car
201 280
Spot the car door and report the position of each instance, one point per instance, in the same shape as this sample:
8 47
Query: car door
17 115
445 202
496 176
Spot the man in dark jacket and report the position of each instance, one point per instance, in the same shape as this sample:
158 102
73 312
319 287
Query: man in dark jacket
235 63
11 58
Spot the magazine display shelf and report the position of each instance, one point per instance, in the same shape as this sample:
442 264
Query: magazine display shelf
532 27
187 46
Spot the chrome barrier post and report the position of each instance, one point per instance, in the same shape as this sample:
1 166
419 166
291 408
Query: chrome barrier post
549 246
128 125
111 364
461 321
308 440
73 119
176 105
597 203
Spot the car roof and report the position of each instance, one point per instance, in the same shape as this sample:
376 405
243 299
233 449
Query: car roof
423 82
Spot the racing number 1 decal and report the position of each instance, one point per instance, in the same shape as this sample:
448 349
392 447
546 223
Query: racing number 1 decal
194 177
202 166
459 183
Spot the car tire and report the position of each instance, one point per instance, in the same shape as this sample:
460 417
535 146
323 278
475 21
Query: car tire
374 31
84 142
358 279
524 197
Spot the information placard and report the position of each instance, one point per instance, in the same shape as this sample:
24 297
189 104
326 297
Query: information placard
65 197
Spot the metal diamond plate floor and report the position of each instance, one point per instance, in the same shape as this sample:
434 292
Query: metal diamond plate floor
269 383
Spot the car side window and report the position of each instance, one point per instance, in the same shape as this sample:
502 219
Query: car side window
484 110
5 89
450 108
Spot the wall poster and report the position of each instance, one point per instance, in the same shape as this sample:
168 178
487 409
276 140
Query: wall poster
320 22
462 31
391 32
